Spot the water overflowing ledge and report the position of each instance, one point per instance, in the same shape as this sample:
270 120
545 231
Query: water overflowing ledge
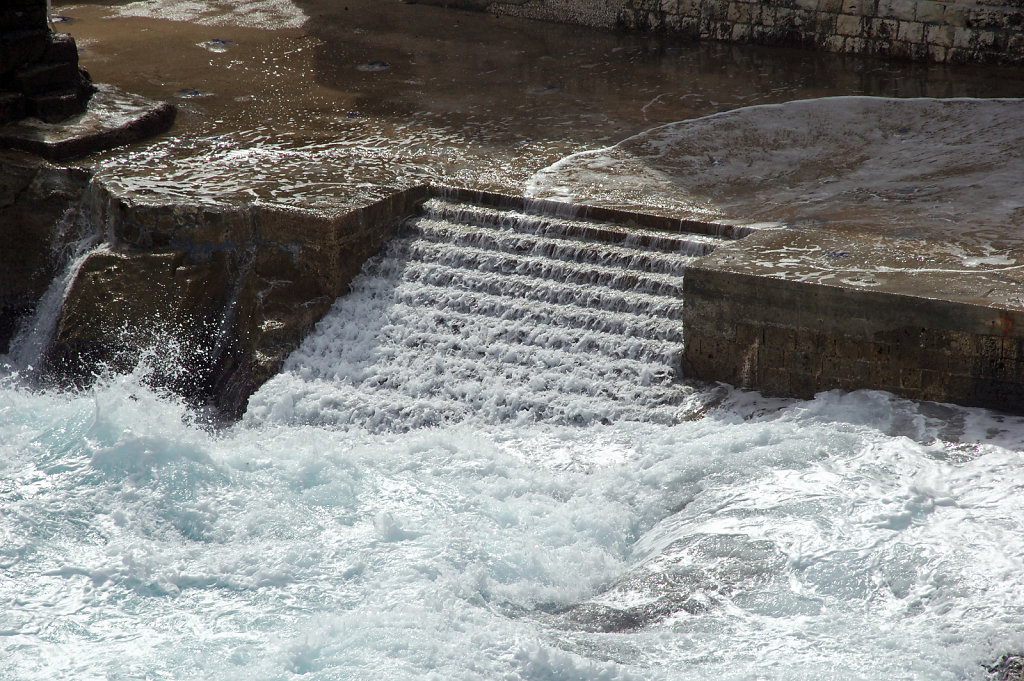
217 297
227 293
214 298
796 330
900 264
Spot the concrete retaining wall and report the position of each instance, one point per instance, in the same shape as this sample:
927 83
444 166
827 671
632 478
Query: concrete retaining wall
225 293
987 31
794 338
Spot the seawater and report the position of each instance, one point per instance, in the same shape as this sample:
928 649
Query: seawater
852 536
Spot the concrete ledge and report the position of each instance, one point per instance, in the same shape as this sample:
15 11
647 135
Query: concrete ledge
758 314
579 211
113 118
218 295
776 333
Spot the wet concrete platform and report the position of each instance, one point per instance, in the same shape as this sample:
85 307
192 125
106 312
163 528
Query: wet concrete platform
112 119
326 103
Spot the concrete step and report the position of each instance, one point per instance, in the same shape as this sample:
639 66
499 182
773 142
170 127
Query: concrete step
47 78
57 106
570 228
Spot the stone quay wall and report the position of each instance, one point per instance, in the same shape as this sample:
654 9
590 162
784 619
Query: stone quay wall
984 31
794 338
989 32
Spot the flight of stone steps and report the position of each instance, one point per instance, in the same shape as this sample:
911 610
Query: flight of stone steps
480 313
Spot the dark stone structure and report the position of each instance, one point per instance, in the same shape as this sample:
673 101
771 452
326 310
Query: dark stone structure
48 103
39 72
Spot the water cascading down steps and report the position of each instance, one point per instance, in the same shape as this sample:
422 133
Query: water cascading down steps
480 313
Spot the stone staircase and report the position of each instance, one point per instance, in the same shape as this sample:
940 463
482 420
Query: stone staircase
501 314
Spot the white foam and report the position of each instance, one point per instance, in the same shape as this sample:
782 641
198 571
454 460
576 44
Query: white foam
852 536
493 330
274 14
918 167
840 537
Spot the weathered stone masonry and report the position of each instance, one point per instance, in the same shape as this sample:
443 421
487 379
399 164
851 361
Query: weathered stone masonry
985 31
219 296
989 31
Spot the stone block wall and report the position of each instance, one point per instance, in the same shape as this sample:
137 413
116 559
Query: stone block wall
39 72
983 31
795 338
988 31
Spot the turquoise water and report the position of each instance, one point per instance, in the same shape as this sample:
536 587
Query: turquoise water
853 536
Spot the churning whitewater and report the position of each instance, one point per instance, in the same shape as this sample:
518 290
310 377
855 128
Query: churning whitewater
480 314
854 536
468 473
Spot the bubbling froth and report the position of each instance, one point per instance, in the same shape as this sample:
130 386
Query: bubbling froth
479 314
841 537
274 14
